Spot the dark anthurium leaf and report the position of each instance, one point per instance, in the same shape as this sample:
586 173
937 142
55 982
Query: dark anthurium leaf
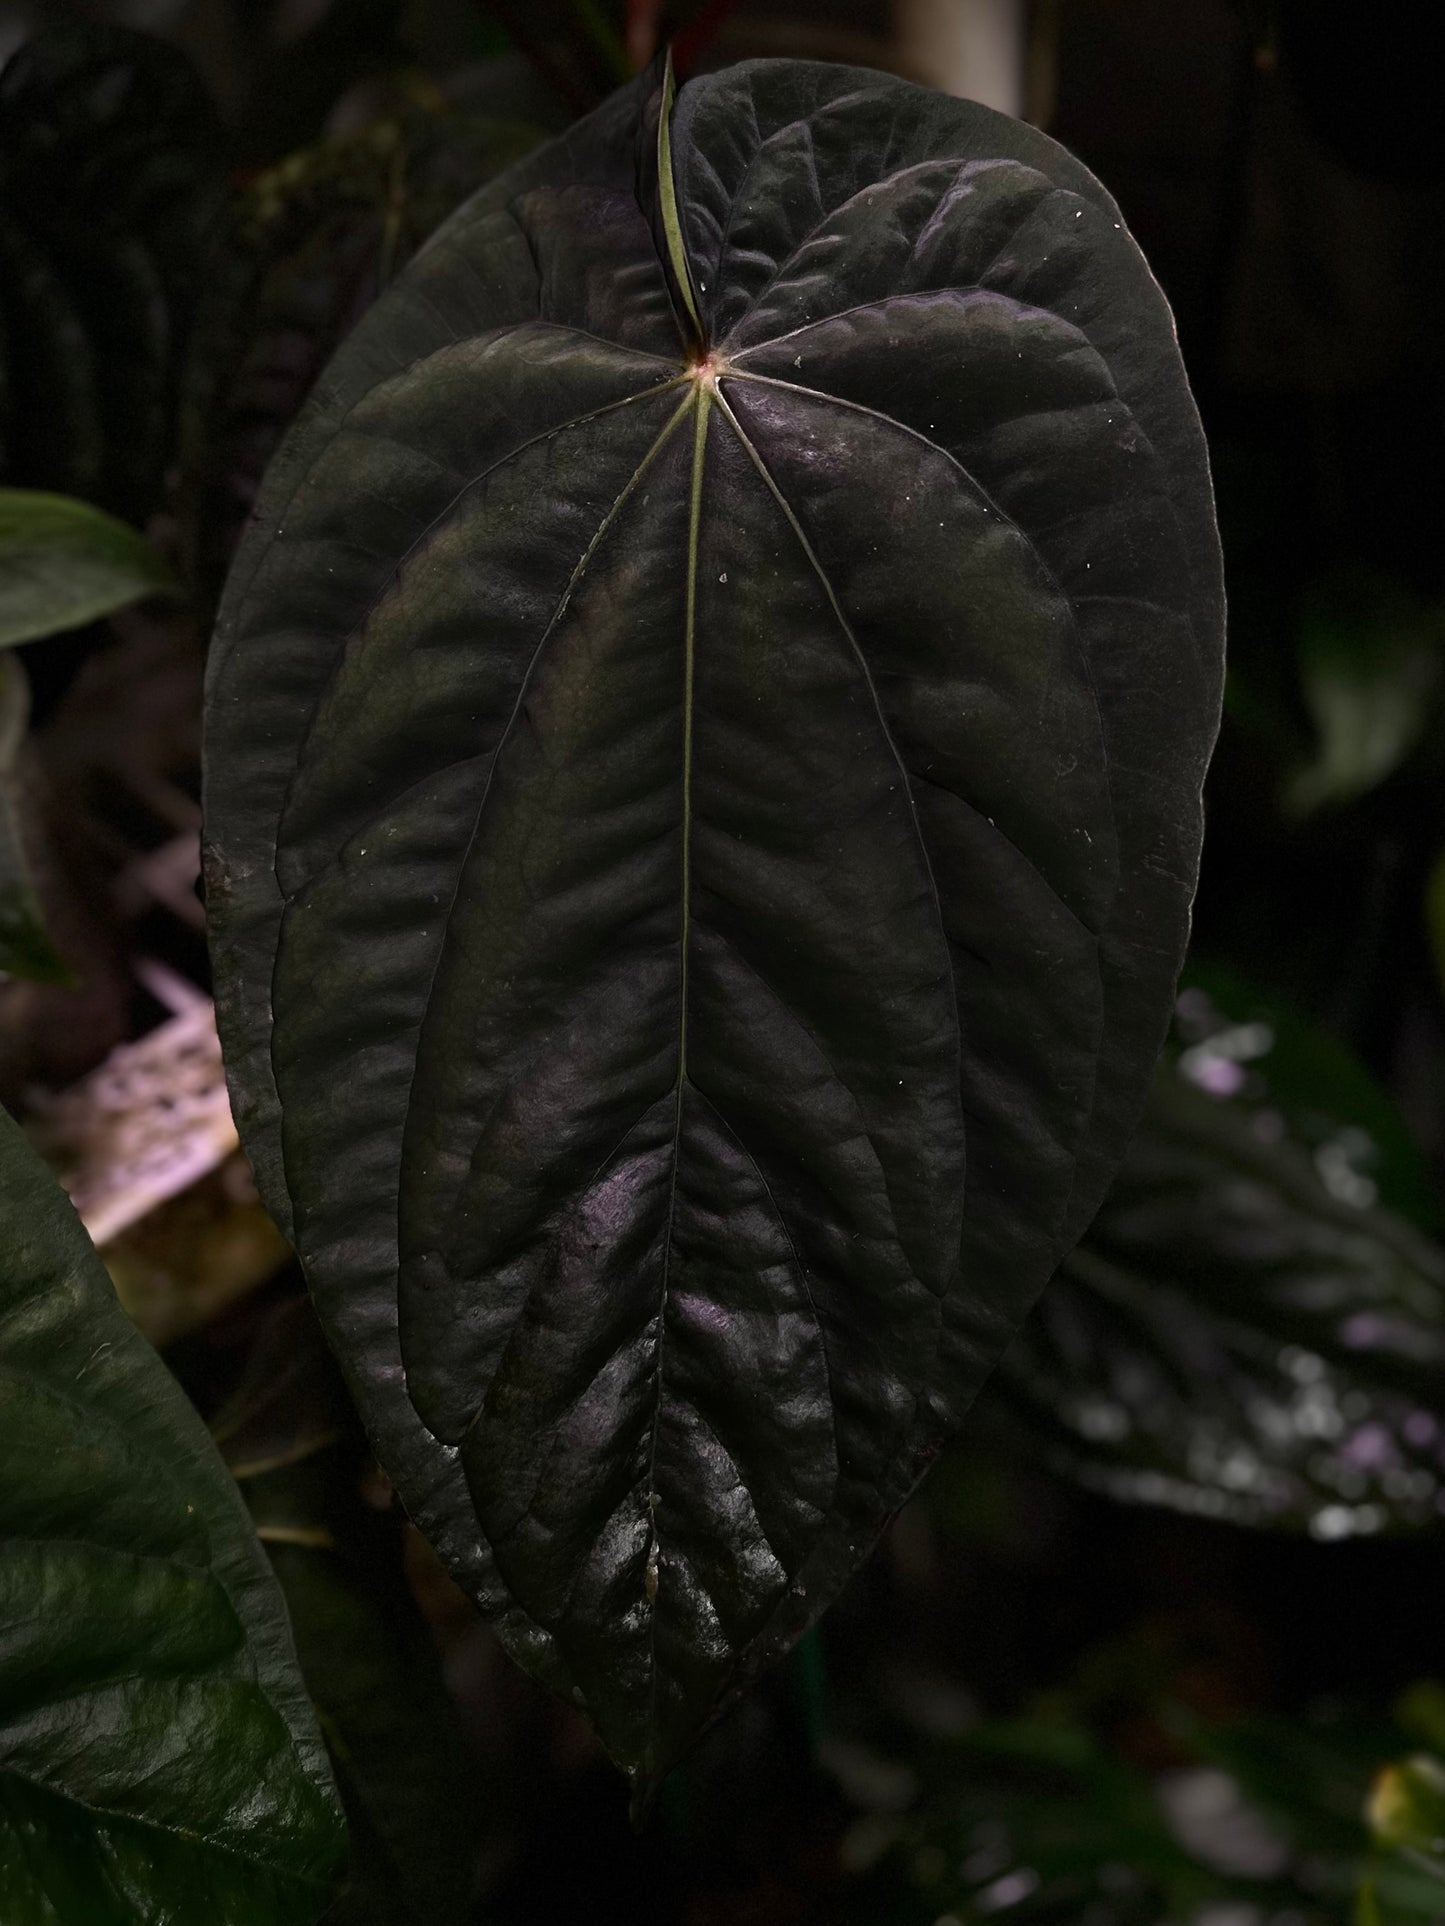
1289 1078
704 753
1245 1331
109 179
408 1781
158 1757
307 249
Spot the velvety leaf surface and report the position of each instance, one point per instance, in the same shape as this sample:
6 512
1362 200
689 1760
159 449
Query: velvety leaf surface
1244 1332
703 794
159 1763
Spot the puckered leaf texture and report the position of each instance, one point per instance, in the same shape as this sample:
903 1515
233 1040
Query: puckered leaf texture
1244 1333
159 1762
705 740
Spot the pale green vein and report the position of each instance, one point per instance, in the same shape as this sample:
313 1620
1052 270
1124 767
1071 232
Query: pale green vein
671 220
694 524
814 562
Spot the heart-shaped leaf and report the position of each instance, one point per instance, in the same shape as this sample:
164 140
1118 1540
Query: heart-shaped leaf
158 1757
704 758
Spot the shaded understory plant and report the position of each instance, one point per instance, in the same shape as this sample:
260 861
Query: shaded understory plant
705 746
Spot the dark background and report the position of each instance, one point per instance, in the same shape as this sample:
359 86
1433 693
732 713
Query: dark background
1283 171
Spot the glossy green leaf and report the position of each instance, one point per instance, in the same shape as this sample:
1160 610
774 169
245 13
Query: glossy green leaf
407 1779
1243 1332
25 946
64 563
701 833
158 1758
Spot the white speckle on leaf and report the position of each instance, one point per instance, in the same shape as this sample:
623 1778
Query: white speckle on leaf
724 576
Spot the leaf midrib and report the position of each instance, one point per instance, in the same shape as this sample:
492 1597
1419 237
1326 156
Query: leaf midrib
701 400
620 501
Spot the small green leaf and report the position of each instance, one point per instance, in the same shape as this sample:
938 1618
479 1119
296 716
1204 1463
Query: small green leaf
1406 1816
158 1757
64 563
1370 663
1407 1807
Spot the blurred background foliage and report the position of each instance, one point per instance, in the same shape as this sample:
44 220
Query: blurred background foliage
1160 1640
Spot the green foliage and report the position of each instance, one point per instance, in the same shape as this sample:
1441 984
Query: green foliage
64 563
1062 1816
679 865
158 1758
407 1780
1371 660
